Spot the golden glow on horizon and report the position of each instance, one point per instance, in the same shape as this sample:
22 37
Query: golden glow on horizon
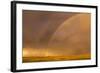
38 56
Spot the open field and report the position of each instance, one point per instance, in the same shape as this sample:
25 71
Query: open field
55 58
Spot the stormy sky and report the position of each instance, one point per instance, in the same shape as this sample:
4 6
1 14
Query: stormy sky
58 33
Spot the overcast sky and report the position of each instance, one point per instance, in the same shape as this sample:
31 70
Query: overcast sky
60 33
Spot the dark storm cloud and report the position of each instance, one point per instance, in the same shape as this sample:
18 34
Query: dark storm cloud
38 26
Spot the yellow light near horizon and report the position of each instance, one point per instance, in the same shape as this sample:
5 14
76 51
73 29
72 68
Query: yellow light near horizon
29 52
